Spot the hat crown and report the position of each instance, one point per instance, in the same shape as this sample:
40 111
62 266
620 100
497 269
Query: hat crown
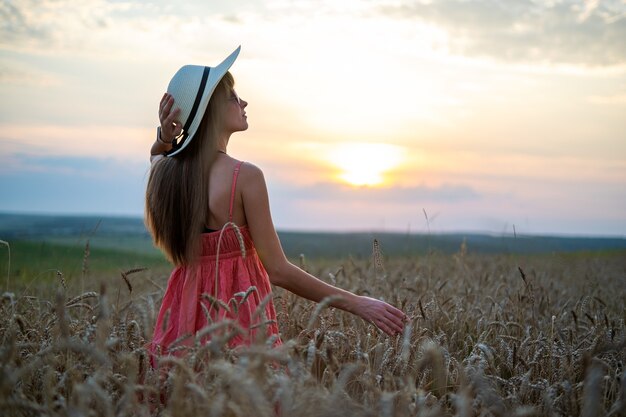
184 88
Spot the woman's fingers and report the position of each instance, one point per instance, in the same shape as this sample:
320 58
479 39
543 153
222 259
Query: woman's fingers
387 328
168 104
395 324
397 314
384 327
388 323
396 328
385 316
178 127
171 117
173 126
165 107
170 127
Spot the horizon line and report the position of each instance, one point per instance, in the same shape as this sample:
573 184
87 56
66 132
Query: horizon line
347 231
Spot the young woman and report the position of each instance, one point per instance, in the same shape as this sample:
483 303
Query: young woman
210 214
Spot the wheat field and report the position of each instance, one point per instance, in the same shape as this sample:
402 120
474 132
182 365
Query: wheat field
487 336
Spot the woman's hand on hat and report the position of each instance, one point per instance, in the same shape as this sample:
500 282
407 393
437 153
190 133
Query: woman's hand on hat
170 126
385 316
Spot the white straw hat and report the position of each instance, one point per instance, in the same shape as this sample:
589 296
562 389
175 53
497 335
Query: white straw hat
192 87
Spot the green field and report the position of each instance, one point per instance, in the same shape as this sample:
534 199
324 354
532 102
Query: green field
46 263
44 245
35 262
129 234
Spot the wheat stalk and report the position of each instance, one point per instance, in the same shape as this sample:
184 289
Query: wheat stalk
5 243
474 347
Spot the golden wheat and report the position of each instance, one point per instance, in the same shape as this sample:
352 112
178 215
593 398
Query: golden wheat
486 337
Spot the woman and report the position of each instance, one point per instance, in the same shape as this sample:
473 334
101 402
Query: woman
210 214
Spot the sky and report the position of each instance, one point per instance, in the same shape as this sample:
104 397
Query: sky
485 116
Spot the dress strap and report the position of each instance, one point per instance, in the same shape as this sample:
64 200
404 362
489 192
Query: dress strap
232 191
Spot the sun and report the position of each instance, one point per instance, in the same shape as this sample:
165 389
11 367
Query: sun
364 164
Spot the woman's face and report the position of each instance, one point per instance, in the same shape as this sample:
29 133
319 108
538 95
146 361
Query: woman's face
236 120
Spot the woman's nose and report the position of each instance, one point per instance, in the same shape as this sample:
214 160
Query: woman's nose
244 103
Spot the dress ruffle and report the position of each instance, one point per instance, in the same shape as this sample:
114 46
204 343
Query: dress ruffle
190 303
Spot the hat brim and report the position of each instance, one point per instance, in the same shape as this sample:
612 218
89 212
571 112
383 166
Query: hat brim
215 76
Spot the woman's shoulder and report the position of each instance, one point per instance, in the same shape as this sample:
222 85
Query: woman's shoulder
248 169
251 175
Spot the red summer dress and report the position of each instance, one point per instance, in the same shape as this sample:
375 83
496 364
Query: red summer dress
190 297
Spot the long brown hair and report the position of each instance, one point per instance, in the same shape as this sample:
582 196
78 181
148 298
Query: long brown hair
177 195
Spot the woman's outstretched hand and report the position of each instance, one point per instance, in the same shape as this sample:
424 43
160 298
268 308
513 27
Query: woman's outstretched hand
170 126
386 317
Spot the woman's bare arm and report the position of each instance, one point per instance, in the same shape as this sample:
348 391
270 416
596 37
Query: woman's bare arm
284 274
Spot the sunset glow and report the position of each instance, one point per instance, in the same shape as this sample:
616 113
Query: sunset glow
365 163
362 114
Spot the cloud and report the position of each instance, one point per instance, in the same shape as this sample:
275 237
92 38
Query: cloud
564 206
557 32
108 29
73 185
332 206
446 193
561 32
34 24
46 26
119 142
18 24
85 167
93 185
17 73
614 99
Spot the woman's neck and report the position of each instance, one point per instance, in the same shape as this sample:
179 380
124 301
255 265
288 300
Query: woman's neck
222 143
